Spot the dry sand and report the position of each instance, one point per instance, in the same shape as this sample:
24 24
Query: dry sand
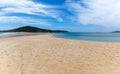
45 54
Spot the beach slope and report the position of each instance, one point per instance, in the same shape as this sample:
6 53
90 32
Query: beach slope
46 54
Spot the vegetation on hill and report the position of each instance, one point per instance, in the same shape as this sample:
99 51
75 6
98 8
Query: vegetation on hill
32 29
116 32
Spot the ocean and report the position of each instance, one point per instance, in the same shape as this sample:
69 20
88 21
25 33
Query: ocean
100 37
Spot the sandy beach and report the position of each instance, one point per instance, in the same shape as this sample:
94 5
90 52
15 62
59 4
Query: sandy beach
46 54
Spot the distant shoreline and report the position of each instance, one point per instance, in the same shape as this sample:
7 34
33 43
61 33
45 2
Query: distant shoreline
19 34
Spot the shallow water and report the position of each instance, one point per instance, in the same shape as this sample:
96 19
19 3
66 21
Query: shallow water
14 34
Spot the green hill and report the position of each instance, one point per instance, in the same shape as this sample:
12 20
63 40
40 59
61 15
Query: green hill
32 29
116 32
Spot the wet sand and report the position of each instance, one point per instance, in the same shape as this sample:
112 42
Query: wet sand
46 54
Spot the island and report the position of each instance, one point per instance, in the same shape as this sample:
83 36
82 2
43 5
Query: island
116 32
31 29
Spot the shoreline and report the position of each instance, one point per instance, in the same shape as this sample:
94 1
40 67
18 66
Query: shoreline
52 35
34 34
46 54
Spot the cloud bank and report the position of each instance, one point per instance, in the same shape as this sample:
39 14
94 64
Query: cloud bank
97 12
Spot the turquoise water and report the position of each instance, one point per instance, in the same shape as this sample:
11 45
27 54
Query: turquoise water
102 37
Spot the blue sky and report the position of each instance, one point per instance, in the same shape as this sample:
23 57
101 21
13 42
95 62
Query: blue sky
71 15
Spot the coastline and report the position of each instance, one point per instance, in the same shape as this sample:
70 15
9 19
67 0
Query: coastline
47 54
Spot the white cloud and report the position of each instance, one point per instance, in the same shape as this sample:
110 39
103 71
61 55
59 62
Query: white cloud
98 12
28 7
22 20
